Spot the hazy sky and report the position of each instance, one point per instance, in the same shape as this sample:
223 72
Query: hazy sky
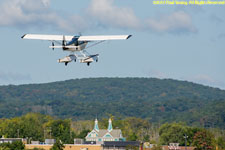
178 42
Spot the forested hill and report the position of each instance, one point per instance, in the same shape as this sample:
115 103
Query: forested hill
149 98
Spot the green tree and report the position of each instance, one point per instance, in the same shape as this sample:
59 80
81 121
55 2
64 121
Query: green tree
83 134
4 146
31 125
131 147
171 100
9 127
221 143
17 145
58 145
172 133
132 137
204 140
157 147
61 130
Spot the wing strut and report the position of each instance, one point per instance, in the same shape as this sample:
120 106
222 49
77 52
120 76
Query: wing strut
94 44
64 43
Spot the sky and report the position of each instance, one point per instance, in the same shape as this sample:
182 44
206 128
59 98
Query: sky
169 41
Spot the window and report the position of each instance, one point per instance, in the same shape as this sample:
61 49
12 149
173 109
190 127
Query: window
108 136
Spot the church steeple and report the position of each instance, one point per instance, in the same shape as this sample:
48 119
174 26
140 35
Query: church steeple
96 128
110 128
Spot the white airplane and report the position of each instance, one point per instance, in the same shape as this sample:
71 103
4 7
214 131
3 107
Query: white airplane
76 45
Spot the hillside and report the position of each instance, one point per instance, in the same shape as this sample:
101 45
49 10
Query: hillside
157 100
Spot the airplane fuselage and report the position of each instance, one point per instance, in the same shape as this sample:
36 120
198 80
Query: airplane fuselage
75 45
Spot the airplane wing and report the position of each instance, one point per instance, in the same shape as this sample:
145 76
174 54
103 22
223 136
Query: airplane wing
69 38
47 37
104 37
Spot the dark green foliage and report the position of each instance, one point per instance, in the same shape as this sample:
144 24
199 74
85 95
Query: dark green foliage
17 145
176 132
131 147
28 126
146 138
132 128
197 137
132 137
221 143
61 130
83 134
173 133
58 145
204 139
157 100
157 147
33 126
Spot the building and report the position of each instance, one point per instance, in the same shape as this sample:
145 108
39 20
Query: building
50 141
101 135
67 146
171 146
10 140
121 145
178 148
107 145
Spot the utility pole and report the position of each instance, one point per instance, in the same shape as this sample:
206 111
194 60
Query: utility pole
18 133
50 132
44 134
70 134
185 137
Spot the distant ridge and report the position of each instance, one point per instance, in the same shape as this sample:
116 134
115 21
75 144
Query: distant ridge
158 100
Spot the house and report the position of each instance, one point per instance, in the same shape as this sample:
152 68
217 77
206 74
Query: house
101 135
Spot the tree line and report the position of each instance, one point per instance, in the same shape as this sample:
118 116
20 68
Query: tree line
35 126
158 101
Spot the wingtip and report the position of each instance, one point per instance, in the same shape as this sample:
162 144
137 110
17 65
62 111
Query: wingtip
23 36
129 36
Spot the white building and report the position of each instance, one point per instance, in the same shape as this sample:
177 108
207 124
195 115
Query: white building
11 140
101 135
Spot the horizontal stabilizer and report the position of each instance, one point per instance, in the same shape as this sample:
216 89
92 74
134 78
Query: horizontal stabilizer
63 47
